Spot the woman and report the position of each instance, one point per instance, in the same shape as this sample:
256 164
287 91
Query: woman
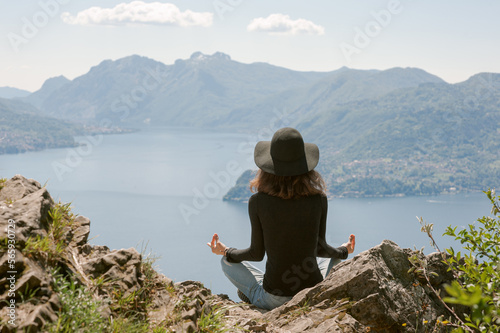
288 219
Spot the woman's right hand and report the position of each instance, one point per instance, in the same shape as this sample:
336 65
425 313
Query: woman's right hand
350 244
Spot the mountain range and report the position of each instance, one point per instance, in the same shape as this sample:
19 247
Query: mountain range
380 132
209 91
199 91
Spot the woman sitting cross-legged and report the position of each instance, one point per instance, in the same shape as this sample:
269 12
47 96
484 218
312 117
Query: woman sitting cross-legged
288 223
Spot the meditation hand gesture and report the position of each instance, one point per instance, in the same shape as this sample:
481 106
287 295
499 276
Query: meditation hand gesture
216 246
350 244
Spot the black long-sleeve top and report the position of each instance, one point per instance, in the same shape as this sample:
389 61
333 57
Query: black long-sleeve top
292 233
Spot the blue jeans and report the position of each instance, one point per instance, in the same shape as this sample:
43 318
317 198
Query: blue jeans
248 279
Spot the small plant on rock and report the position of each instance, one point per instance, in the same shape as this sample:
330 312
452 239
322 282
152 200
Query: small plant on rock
213 321
79 311
50 247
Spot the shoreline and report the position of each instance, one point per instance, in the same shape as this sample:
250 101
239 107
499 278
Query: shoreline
101 131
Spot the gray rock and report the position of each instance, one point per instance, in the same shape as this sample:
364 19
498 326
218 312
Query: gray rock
189 327
40 316
81 231
378 291
28 204
30 213
120 267
189 315
18 187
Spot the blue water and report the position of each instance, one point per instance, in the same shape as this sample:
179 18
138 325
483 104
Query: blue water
163 188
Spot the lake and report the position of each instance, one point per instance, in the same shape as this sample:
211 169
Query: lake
162 188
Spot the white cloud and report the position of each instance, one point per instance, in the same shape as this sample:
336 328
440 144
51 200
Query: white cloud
280 24
139 12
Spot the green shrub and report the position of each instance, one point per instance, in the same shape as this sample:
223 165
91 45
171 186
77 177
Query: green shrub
478 286
477 272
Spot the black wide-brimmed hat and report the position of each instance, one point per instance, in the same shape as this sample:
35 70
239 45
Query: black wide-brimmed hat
286 154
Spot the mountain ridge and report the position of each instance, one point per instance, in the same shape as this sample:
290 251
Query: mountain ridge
11 92
220 83
48 87
389 121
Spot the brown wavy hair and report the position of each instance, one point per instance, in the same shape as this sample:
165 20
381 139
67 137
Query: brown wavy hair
288 187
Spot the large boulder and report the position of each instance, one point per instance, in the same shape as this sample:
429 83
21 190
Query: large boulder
25 210
374 290
27 203
25 206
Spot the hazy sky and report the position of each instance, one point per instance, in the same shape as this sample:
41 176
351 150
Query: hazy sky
453 39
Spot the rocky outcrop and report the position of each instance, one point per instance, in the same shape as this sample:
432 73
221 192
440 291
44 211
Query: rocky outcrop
28 203
373 291
28 207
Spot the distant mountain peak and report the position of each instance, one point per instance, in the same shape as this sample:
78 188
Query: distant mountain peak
408 76
133 60
49 86
487 78
200 57
55 82
129 63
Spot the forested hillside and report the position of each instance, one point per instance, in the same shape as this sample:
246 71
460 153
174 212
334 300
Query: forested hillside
21 129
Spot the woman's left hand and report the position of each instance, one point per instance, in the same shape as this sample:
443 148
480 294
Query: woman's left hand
216 246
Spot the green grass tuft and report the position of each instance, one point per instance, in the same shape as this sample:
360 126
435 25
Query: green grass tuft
213 321
50 248
79 311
